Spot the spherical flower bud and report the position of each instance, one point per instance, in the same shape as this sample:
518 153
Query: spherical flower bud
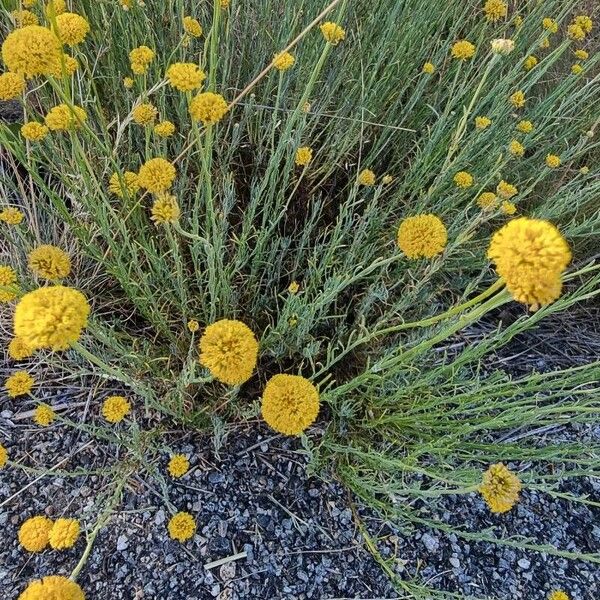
283 61
495 10
165 209
332 32
181 526
530 62
53 587
115 408
3 456
64 533
208 107
193 325
185 77
22 18
71 28
34 533
366 177
19 384
11 216
156 175
487 200
129 182
516 148
18 349
31 51
500 488
463 179
178 466
12 85
422 236
525 126
8 279
428 68
304 155
144 114
192 27
553 161
463 50
164 129
506 190
128 82
64 117
49 262
508 208
518 99
482 122
34 131
502 46
43 415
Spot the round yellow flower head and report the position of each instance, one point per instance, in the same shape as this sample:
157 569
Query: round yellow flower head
502 46
49 262
165 209
283 61
518 99
558 595
508 208
366 177
192 27
545 43
500 488
18 349
487 200
11 216
506 190
525 126
553 161
584 170
181 526
294 288
530 256
63 117
429 68
43 415
55 7
129 182
290 404
71 28
530 62
12 85
463 179
23 18
224 3
19 384
576 32
51 317
229 350
463 50
156 175
128 82
115 408
332 32
208 107
34 532
577 69
495 10
422 236
64 533
550 24
582 54
518 21
584 22
178 466
144 114
3 456
304 155
34 131
8 279
482 122
65 67
193 325
31 51
140 59
54 587
164 129
516 148
185 77
387 179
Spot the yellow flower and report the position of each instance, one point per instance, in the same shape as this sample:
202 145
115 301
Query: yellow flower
164 129
181 526
584 170
283 61
49 262
518 99
553 161
525 126
584 22
12 85
11 216
19 384
29 3
366 177
581 54
463 179
229 349
185 77
508 208
545 43
192 27
482 122
156 175
290 404
518 21
178 466
8 279
34 532
463 50
208 107
506 190
193 325
577 69
530 62
18 349
530 256
144 114
387 179
224 3
332 32
55 7
129 182
502 46
495 10
24 17
165 209
550 24
516 148
65 67
303 156
558 595
64 533
575 32
500 488
429 68
140 59
71 28
294 288
51 317
64 117
43 415
34 131
52 587
31 51
115 408
422 236
487 200
3 456
128 82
